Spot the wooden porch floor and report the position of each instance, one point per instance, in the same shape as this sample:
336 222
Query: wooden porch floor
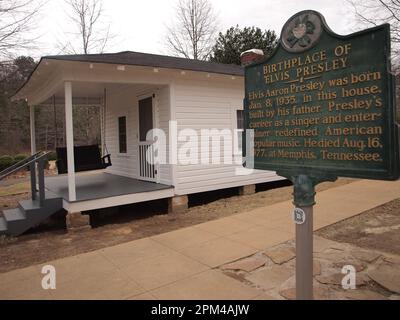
99 185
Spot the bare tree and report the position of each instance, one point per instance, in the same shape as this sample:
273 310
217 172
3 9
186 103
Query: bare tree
16 25
376 12
92 32
194 29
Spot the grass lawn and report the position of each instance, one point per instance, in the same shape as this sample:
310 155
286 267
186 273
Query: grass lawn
14 189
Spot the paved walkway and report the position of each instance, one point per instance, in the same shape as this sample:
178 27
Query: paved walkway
181 264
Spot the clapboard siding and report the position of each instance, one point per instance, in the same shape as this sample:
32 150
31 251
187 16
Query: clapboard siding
164 116
124 102
197 105
210 105
215 184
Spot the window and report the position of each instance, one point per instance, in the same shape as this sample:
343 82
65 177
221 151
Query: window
239 131
122 134
239 119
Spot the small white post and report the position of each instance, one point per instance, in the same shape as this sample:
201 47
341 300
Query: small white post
32 127
102 129
69 128
103 122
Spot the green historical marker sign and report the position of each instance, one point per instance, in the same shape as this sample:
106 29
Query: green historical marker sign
322 106
324 103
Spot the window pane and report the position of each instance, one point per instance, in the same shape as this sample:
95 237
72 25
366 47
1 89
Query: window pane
122 134
239 117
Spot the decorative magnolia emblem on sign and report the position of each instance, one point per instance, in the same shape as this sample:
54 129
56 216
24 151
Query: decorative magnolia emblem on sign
299 216
301 32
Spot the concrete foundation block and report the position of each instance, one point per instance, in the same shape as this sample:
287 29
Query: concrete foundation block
178 204
246 190
77 221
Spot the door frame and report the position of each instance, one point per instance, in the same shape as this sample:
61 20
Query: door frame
151 95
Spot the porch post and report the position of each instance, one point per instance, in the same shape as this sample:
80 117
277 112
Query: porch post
103 121
32 127
69 128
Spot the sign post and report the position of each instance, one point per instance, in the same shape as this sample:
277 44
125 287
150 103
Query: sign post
319 107
304 200
304 256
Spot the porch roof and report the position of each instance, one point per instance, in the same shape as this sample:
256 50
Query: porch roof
43 77
154 60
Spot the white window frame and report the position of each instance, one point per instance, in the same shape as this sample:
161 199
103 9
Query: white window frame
123 154
235 148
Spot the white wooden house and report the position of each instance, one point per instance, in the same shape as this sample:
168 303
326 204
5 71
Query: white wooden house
137 92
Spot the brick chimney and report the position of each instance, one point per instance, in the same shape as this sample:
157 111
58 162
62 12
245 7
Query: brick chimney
249 56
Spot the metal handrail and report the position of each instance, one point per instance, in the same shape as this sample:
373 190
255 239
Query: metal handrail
38 158
32 159
20 163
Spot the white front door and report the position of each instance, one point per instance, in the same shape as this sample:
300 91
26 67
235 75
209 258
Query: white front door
147 168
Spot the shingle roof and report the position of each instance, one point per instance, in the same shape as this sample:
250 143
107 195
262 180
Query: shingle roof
153 60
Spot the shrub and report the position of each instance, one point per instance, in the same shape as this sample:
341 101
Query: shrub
6 158
46 163
20 157
52 156
5 162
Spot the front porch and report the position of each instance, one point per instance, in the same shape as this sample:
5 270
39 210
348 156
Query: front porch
131 100
98 189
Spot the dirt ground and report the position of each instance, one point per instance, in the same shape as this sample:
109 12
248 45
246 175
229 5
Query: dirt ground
51 241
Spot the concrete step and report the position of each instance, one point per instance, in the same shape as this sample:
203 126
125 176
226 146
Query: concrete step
3 225
14 215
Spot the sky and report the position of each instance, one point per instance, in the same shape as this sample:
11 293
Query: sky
139 25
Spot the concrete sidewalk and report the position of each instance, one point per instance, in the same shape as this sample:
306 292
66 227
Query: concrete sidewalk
181 264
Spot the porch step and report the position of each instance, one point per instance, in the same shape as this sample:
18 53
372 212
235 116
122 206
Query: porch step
28 214
51 195
29 204
3 225
13 215
34 205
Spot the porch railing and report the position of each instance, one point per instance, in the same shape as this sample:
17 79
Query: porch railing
38 159
147 169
